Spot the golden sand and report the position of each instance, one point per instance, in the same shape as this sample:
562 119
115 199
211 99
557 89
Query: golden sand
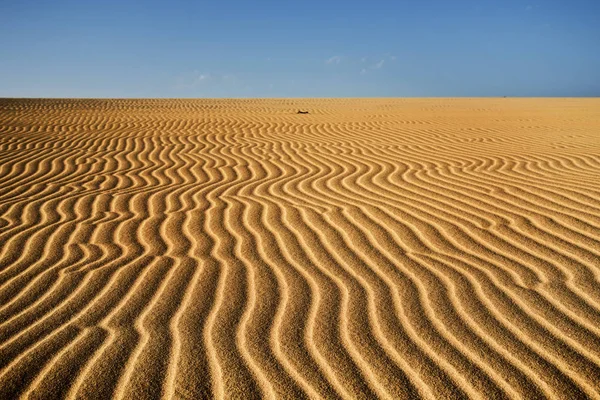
373 248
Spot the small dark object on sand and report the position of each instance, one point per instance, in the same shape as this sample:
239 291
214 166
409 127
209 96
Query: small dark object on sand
302 112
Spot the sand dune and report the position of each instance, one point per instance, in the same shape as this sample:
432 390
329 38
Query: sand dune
373 248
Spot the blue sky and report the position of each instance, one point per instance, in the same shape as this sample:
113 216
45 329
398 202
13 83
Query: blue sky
278 48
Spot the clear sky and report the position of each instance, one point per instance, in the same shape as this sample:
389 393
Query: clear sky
302 48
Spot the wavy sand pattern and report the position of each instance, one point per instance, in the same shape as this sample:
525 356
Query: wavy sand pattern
374 248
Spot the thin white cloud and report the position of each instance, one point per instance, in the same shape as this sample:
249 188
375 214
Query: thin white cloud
199 78
193 79
333 60
377 65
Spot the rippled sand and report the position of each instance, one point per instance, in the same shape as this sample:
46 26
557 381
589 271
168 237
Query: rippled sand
373 248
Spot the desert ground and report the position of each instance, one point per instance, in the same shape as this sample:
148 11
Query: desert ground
372 248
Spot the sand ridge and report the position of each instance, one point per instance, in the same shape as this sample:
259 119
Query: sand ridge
373 248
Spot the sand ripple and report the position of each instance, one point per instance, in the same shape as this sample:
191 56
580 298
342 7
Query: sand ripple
374 248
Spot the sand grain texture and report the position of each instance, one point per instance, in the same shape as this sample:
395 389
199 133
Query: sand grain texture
373 248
